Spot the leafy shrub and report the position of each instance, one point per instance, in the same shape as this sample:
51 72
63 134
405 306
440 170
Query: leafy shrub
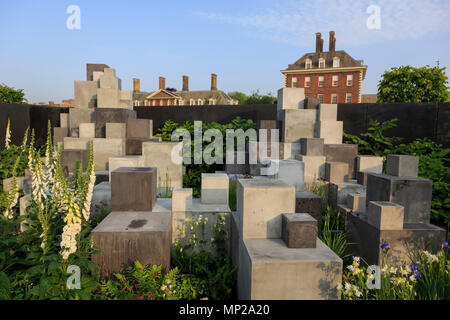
11 95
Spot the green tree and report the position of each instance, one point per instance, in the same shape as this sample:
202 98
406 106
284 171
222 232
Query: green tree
11 95
239 96
409 84
257 98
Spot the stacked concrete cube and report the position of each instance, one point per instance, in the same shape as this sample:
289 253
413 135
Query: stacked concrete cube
268 266
397 212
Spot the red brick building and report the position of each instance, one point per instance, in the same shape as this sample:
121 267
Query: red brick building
331 77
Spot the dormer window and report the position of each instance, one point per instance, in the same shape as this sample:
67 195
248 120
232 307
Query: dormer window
192 102
308 64
336 62
200 102
322 63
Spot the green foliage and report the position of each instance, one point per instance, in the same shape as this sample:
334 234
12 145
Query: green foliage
433 162
409 84
254 98
192 178
11 95
232 194
374 142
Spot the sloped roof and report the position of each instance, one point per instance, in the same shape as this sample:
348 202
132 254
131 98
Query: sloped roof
345 60
220 96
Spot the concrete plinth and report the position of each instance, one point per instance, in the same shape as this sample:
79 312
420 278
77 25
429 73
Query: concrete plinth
214 189
133 146
126 237
308 202
297 124
385 215
299 230
336 172
139 128
269 270
260 203
110 115
314 167
101 197
123 161
330 131
414 194
290 171
371 164
116 130
338 193
402 165
342 153
86 130
133 189
290 98
311 146
69 157
367 240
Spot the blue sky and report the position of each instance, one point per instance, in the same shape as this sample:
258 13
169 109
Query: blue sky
246 43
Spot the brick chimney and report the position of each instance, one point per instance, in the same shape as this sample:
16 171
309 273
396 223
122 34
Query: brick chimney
162 82
332 44
185 83
136 85
213 81
319 42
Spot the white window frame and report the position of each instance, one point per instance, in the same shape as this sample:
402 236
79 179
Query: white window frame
191 102
347 96
308 64
319 82
320 95
335 83
307 82
349 80
336 62
322 63
332 96
294 82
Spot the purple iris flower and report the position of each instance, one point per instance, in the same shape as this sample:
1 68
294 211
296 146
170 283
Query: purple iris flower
385 245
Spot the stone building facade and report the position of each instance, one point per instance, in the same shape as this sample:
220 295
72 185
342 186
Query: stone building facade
331 77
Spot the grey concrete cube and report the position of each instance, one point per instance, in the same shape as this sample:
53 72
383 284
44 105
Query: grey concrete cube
342 153
311 146
126 237
139 128
414 194
336 171
402 165
113 115
299 230
69 157
133 189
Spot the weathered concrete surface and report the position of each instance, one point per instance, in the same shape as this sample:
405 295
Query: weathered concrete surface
298 230
297 124
80 115
133 146
116 130
290 171
112 115
336 172
290 98
123 161
133 189
101 197
314 167
260 203
268 270
308 202
214 188
311 146
337 193
125 237
385 215
139 128
69 157
414 194
402 165
342 153
372 164
368 239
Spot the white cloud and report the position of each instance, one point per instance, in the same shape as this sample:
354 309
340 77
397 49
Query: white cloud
295 22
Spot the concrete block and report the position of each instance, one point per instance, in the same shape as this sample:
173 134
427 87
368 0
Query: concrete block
314 167
402 165
308 202
268 126
125 237
414 194
385 215
110 115
59 134
309 103
115 130
74 132
337 193
64 120
123 161
139 128
69 158
372 164
87 130
361 177
235 167
268 270
182 199
22 183
105 149
108 98
356 201
366 240
290 150
297 124
108 79
311 146
24 203
234 238
260 203
85 94
159 155
101 197
101 176
214 188
342 153
80 115
290 98
336 171
330 131
133 146
327 112
299 230
290 171
133 189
